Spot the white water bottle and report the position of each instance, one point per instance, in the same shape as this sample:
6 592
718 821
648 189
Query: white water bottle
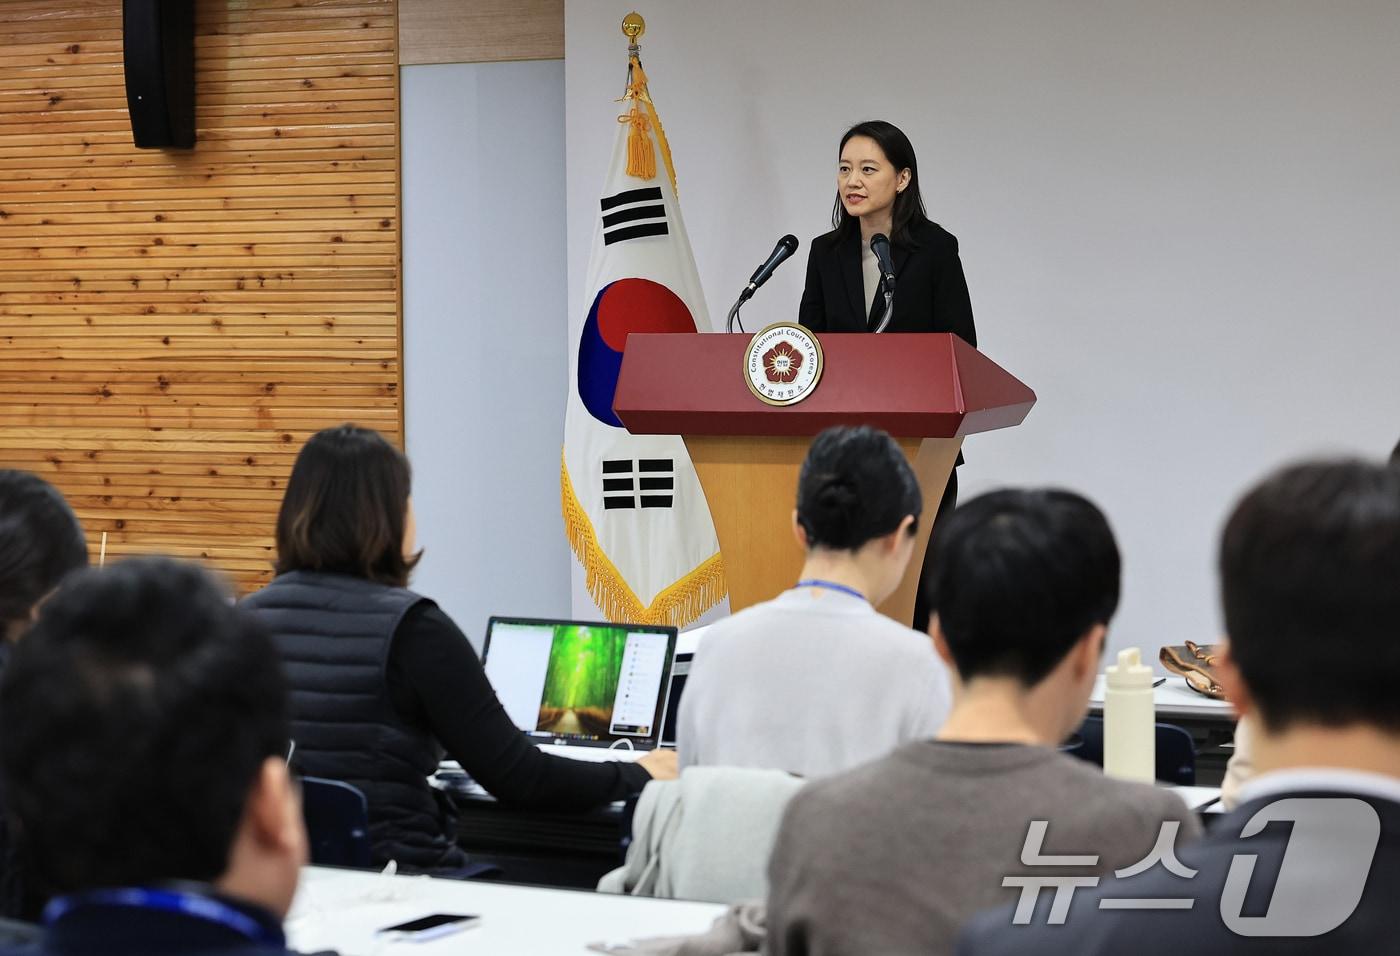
1129 720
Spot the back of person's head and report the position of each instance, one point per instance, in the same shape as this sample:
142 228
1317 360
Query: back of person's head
1018 578
1310 583
41 542
139 717
855 485
345 509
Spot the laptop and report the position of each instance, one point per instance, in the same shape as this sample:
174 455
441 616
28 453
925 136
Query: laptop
586 690
680 673
686 644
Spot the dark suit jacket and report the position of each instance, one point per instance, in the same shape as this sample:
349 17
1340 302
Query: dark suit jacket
131 931
1201 930
930 292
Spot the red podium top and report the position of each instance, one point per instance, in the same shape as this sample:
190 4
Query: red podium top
913 385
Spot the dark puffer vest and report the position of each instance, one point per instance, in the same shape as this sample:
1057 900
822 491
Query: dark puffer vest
334 634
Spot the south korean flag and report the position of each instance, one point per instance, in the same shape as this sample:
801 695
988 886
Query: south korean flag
633 509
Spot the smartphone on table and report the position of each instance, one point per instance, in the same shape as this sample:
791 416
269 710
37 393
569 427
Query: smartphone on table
430 927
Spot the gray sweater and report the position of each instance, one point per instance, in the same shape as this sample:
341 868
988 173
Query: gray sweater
893 857
813 682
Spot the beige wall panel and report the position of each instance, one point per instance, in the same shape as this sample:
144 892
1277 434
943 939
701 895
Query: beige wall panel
480 31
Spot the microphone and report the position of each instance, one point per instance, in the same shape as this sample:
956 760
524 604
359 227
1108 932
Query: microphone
880 245
786 247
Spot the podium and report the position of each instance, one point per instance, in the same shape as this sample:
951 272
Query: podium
929 391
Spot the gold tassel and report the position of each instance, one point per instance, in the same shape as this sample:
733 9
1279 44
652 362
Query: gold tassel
641 154
676 606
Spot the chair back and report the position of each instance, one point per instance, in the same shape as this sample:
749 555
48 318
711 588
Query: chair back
706 836
337 823
1176 751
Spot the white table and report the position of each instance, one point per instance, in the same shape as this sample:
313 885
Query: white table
342 909
1174 699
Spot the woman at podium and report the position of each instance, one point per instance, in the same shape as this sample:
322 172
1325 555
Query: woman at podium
877 194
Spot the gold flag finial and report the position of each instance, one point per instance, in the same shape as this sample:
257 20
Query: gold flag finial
633 26
641 158
641 116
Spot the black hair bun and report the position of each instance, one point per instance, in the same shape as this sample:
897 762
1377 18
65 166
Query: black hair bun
855 485
835 512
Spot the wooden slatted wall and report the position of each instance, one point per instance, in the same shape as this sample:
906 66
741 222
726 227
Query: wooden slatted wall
173 325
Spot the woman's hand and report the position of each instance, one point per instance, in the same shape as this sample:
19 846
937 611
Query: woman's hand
661 764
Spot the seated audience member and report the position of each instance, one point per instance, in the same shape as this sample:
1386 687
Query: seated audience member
894 856
41 543
143 754
816 680
381 679
1241 766
1309 565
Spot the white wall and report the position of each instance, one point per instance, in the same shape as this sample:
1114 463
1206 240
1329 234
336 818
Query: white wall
485 351
1179 222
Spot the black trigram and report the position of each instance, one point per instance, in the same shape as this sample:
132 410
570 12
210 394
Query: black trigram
633 214
646 483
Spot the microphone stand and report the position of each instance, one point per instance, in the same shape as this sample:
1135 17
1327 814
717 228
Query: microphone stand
889 311
734 312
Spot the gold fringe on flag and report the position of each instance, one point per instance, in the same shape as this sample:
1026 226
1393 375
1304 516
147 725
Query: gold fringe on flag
676 606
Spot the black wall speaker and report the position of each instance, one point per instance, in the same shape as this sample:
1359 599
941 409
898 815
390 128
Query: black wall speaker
158 50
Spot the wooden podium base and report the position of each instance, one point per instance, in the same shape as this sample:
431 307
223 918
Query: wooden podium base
750 483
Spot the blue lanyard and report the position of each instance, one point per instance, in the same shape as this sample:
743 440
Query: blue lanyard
831 586
168 901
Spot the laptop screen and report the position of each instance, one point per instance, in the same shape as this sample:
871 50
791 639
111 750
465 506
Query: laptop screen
584 683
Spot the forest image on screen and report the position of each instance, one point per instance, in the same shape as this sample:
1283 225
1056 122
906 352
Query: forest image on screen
579 689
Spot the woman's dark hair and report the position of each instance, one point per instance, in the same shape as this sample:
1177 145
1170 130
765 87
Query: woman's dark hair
908 204
345 508
41 542
856 485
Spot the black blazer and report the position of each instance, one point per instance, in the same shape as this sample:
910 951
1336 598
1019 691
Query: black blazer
930 296
1201 931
